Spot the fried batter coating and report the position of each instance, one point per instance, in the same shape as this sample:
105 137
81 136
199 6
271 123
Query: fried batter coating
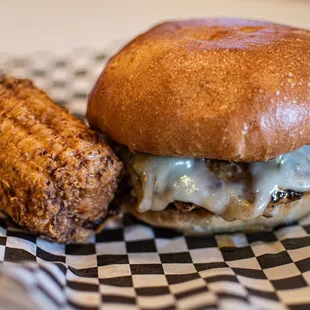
57 177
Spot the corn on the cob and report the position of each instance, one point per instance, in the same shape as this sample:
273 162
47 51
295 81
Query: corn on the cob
57 177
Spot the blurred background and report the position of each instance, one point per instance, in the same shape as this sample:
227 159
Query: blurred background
63 45
59 26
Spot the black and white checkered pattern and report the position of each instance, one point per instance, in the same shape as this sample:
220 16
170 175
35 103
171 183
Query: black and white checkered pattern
133 266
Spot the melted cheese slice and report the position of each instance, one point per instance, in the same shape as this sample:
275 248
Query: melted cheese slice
169 179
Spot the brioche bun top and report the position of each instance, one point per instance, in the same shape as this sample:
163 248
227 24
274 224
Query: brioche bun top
216 88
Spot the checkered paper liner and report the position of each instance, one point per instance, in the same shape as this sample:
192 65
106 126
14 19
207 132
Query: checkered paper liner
130 265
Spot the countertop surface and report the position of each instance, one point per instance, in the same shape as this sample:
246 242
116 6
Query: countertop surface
62 25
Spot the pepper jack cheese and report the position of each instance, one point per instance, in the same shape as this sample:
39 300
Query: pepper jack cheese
168 179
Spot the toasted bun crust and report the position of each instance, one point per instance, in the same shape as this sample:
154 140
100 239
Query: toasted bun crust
205 222
223 89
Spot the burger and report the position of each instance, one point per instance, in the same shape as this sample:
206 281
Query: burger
213 120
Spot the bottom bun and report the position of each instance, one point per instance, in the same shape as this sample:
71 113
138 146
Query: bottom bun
201 221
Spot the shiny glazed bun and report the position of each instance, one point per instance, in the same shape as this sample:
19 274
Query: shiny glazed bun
224 89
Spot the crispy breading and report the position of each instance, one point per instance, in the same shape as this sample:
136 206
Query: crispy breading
57 177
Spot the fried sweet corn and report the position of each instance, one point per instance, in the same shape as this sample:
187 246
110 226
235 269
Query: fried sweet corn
57 177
